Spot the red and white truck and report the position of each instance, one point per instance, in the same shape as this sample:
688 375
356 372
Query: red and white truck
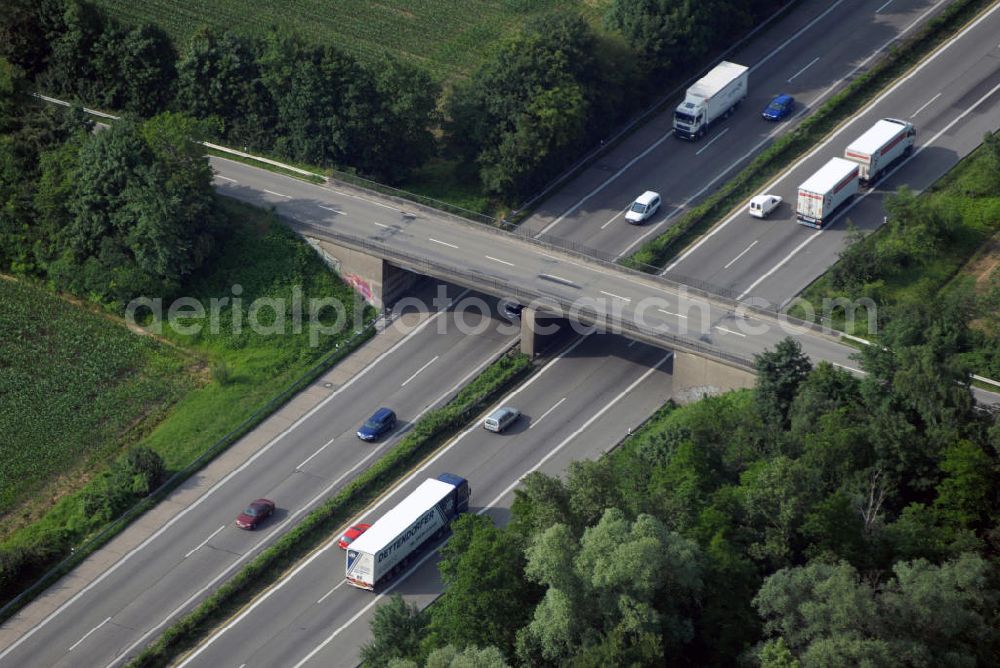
884 143
826 191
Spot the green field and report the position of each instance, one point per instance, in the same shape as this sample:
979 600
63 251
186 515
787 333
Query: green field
74 387
77 387
448 37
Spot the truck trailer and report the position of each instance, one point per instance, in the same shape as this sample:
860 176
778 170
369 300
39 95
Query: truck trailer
386 547
712 96
884 143
826 191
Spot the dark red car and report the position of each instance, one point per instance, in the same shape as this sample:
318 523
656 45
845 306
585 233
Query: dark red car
255 513
352 534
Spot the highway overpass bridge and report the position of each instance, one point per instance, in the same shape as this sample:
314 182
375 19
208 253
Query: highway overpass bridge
379 243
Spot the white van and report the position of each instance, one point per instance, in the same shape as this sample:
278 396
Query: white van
762 205
500 419
643 207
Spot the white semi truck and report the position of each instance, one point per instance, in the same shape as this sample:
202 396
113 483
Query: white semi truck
826 191
386 547
711 97
884 143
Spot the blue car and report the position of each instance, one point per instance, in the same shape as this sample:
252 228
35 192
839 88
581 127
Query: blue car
780 108
377 425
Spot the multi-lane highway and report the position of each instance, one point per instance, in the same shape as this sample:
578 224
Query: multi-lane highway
123 608
809 54
578 406
306 462
953 98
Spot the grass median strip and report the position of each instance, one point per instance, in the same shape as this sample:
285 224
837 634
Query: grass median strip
319 525
655 254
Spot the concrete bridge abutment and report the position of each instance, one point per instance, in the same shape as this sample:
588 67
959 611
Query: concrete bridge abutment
379 282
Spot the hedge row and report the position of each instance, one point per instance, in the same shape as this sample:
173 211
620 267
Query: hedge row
653 255
318 526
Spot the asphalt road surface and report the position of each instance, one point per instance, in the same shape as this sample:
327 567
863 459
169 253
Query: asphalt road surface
809 54
305 464
578 406
953 99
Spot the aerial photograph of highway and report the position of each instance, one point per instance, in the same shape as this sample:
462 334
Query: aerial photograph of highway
500 333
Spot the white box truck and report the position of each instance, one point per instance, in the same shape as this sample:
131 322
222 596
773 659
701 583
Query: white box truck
386 547
826 191
884 143
711 96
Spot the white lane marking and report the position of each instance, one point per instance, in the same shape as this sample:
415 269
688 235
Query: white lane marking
811 63
856 338
862 196
664 137
330 208
443 243
176 518
204 542
435 359
385 498
745 251
551 257
487 507
630 344
718 228
606 183
271 192
327 594
225 479
543 415
616 216
888 2
87 634
714 139
781 264
496 259
728 331
224 178
676 315
310 457
925 105
611 294
382 225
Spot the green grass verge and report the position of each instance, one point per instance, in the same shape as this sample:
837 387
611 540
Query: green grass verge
653 255
321 524
76 387
967 192
233 384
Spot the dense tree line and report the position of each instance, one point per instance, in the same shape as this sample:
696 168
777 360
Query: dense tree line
108 215
818 520
539 101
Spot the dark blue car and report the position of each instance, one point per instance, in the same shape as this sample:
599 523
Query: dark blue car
377 425
779 108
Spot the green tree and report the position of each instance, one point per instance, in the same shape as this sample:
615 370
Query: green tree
824 614
488 597
399 137
628 594
147 66
397 629
779 374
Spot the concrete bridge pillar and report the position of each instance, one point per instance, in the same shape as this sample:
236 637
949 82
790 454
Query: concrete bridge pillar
377 281
695 376
539 330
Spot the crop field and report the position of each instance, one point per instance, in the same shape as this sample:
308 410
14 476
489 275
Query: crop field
449 37
74 386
